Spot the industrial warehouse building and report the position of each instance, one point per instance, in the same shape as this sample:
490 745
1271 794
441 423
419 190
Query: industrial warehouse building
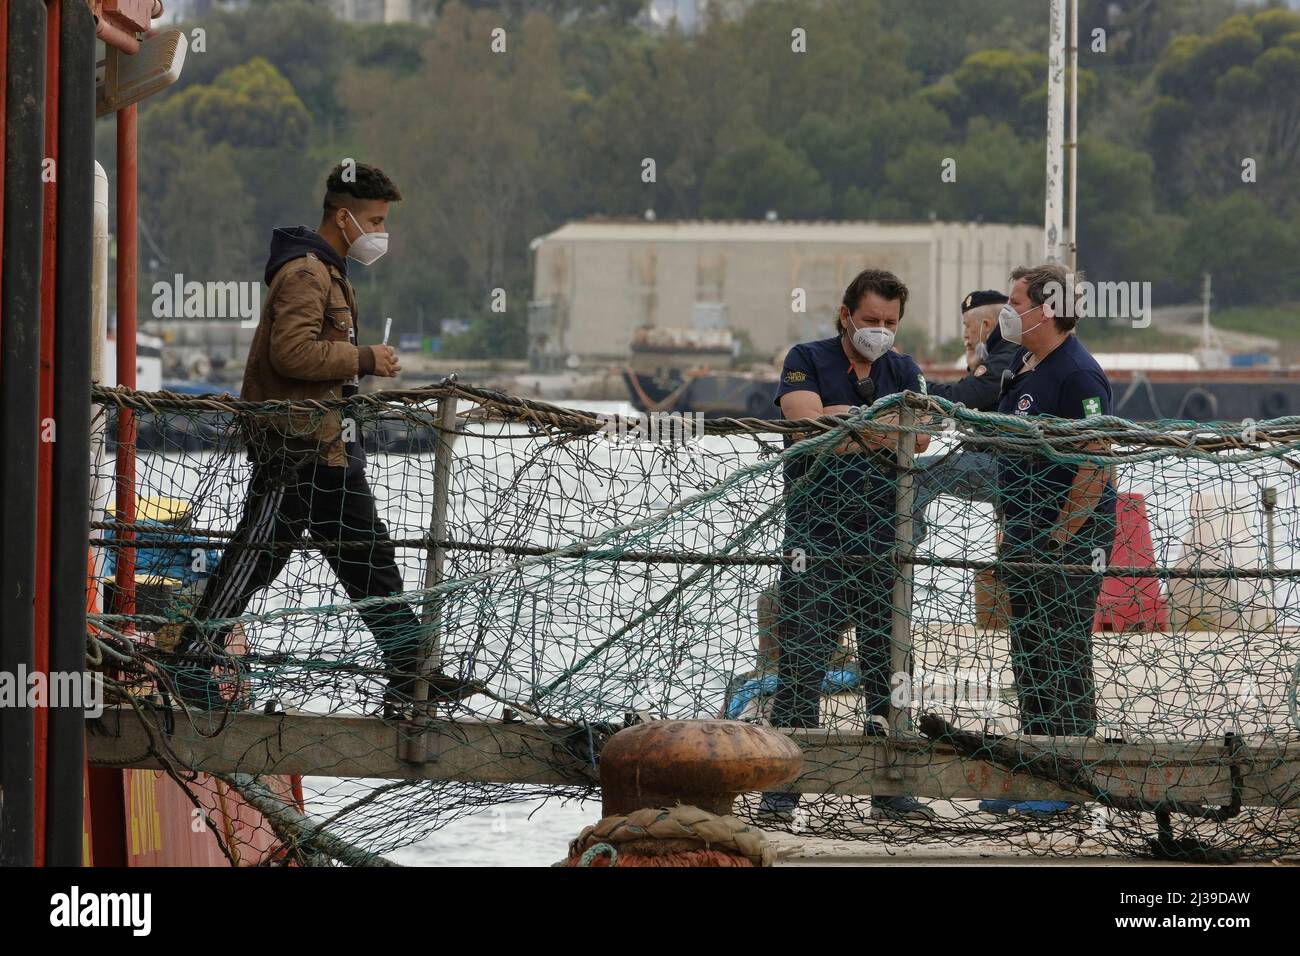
597 281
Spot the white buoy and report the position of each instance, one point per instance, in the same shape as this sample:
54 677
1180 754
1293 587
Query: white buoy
1221 536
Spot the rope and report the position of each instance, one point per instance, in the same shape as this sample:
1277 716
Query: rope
687 825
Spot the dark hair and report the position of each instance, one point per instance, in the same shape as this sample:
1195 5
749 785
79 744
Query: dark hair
1039 278
363 182
884 284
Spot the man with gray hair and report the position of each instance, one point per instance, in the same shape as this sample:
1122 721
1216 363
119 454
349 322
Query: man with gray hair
987 354
1054 514
971 475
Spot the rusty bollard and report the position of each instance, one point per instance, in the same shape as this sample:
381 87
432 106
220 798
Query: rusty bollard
702 763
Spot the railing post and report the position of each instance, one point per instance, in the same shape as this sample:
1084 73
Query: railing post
1268 499
435 557
900 643
429 657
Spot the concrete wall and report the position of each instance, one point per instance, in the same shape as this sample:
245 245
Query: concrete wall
970 256
377 11
609 278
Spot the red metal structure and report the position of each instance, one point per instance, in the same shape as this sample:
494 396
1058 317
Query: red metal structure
57 810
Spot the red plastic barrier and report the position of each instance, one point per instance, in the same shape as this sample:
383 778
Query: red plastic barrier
1132 603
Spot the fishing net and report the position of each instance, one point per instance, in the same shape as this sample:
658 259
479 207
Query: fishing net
918 621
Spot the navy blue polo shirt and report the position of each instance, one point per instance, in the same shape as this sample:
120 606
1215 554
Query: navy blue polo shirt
847 503
1068 383
822 367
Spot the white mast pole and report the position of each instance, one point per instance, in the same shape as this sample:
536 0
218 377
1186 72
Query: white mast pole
1053 229
1073 145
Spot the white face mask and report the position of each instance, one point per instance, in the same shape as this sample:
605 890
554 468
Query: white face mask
368 246
873 342
1011 326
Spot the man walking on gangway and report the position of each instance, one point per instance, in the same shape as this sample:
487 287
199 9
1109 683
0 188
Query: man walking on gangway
309 467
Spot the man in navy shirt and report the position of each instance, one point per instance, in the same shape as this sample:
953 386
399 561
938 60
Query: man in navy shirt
1055 513
840 521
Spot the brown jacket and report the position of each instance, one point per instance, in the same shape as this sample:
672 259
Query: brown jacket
303 349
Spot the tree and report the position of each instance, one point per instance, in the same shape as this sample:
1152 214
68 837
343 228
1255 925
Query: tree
474 140
253 114
850 155
251 105
1250 250
196 219
939 34
999 177
610 11
841 108
653 109
1004 86
1120 235
1228 104
1137 31
308 46
758 174
851 62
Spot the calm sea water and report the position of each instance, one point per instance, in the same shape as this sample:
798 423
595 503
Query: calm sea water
531 834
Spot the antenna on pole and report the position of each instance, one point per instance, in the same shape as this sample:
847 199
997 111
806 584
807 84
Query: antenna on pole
1212 353
1207 335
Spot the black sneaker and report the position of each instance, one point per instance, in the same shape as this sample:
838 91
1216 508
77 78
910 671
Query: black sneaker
777 807
399 697
399 694
195 687
900 808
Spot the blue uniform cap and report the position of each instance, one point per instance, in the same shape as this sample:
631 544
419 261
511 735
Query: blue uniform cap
974 300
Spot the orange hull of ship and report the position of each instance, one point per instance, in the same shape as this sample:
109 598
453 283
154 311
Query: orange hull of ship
146 818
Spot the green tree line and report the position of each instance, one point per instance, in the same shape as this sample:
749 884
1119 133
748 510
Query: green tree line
492 149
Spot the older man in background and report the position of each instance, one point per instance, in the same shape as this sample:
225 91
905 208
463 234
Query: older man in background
970 475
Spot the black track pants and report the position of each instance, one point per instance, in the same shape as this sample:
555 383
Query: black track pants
329 505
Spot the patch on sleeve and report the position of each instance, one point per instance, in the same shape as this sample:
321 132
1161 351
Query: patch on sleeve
793 376
1092 406
981 371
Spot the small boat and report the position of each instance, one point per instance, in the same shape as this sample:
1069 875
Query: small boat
688 370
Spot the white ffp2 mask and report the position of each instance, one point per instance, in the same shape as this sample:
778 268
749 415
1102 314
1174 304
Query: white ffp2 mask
367 247
1011 326
873 342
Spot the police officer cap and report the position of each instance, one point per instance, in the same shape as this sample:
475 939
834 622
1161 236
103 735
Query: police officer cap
983 297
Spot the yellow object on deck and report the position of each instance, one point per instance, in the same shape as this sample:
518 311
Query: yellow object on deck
157 508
